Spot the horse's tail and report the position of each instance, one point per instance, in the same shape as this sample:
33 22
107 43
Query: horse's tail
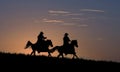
54 48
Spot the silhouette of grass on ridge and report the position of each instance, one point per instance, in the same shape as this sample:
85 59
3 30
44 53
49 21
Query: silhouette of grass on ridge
9 58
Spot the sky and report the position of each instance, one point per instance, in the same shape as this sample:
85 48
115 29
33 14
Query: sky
95 24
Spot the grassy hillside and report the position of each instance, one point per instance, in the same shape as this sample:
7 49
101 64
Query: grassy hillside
21 59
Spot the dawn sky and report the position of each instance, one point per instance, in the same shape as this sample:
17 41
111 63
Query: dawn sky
94 23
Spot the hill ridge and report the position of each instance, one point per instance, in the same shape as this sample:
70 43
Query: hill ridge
14 58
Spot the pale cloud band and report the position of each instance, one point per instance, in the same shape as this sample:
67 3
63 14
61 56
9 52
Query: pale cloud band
69 24
91 10
61 22
52 21
58 12
73 14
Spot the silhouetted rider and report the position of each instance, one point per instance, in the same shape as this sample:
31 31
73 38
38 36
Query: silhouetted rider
41 38
66 40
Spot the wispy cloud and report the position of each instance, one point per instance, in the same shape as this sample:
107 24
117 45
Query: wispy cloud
63 13
54 14
79 19
68 24
92 10
52 21
76 18
73 14
75 24
83 25
58 12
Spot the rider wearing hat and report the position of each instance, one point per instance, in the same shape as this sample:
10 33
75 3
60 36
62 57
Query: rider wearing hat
66 39
41 38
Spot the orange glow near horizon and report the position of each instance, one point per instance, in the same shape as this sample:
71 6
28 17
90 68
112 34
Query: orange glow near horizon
16 38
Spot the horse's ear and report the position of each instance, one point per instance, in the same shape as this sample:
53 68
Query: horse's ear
28 41
49 40
75 40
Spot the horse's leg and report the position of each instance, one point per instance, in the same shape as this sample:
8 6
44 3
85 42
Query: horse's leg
62 55
32 52
49 55
74 55
59 55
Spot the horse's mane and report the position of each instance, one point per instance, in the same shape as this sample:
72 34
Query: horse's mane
48 40
73 41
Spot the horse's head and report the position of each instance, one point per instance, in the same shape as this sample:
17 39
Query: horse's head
74 42
49 43
28 44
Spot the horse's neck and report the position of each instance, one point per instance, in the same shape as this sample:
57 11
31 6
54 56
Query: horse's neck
32 44
71 45
46 43
57 47
49 43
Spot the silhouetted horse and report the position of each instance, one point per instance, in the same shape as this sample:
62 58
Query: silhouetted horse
70 50
44 48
